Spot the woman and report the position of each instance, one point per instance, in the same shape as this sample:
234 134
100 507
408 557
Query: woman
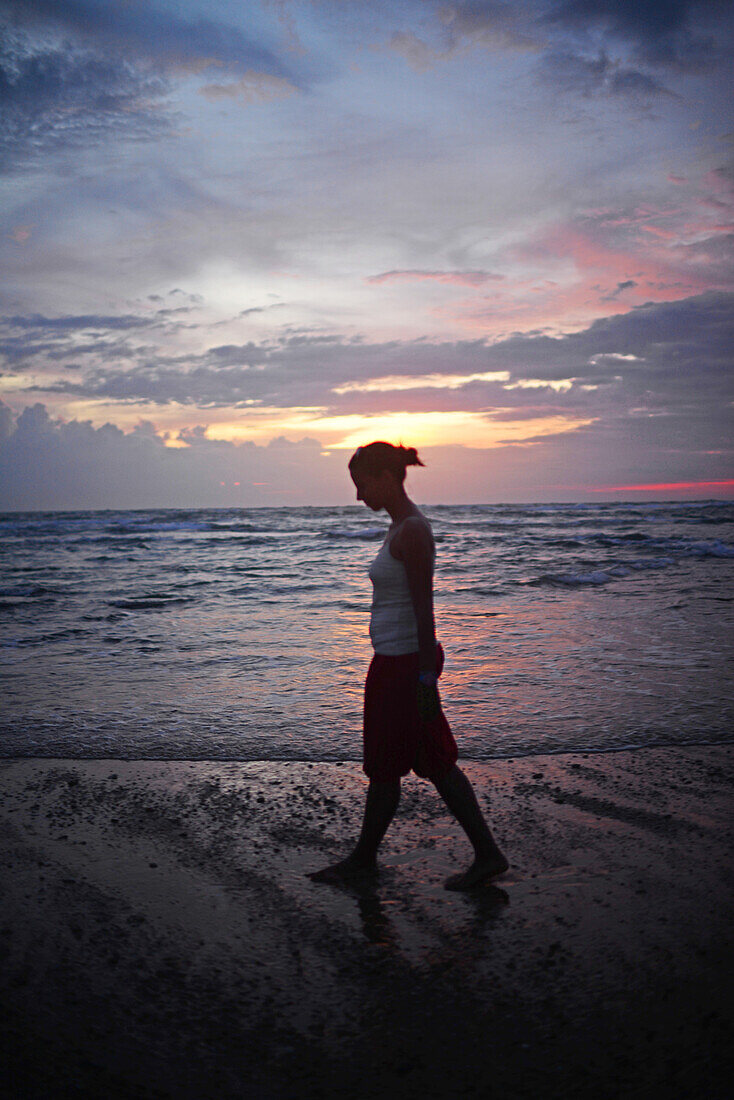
404 726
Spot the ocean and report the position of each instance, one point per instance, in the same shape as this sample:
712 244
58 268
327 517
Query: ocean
242 634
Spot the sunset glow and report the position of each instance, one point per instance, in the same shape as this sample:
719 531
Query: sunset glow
271 232
672 487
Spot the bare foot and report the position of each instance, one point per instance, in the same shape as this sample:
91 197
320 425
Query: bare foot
482 870
349 870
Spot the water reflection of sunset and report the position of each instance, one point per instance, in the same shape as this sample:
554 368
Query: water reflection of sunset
244 632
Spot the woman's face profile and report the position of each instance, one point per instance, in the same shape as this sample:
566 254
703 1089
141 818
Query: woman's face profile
370 489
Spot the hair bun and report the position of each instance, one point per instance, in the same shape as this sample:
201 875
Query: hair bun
410 456
378 456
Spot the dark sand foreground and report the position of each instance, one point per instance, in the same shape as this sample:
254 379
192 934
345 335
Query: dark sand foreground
159 936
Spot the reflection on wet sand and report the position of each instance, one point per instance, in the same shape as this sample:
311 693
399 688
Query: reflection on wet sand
375 904
161 936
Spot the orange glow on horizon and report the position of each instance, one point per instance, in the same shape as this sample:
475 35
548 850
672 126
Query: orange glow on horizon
663 486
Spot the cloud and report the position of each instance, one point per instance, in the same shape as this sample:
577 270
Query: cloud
146 30
684 35
626 284
599 75
490 23
668 360
253 87
648 390
37 323
567 273
41 340
591 47
21 233
457 278
56 98
73 74
416 52
47 463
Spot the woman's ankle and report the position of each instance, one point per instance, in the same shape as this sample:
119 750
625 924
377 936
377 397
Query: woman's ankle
363 857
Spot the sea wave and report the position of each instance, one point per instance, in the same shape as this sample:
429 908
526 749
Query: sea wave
602 575
149 602
713 549
367 533
177 603
31 591
154 526
569 580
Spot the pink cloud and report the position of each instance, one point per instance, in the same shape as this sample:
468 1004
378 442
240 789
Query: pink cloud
694 229
21 233
606 261
578 270
456 278
253 87
716 204
656 231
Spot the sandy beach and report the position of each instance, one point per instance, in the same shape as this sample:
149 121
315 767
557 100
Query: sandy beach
160 937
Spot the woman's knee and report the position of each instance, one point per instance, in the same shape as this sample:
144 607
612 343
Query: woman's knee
448 781
385 790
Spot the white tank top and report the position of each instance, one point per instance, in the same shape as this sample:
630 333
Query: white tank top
393 629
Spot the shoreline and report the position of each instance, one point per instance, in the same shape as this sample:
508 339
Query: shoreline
160 937
357 760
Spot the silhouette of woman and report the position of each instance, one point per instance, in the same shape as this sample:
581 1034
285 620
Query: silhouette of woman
404 725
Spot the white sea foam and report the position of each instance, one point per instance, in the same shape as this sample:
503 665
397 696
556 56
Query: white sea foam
366 533
714 549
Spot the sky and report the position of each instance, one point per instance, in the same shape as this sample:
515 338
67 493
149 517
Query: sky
241 239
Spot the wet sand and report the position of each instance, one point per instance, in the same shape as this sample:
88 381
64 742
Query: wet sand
159 936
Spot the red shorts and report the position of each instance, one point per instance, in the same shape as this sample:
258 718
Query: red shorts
395 738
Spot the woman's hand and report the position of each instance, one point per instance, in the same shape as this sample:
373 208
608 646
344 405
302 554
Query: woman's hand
429 704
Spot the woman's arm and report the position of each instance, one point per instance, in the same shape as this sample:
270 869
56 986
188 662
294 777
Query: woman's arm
415 550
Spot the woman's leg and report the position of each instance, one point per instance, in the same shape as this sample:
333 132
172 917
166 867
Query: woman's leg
458 794
382 802
379 810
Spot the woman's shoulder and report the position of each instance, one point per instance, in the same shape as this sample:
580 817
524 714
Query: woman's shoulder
417 522
413 534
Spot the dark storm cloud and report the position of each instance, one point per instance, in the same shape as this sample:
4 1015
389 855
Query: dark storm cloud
662 354
716 253
75 73
54 98
588 76
633 48
601 47
146 30
34 338
36 322
684 35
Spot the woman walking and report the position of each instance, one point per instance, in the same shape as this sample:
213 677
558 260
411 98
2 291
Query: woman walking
404 726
